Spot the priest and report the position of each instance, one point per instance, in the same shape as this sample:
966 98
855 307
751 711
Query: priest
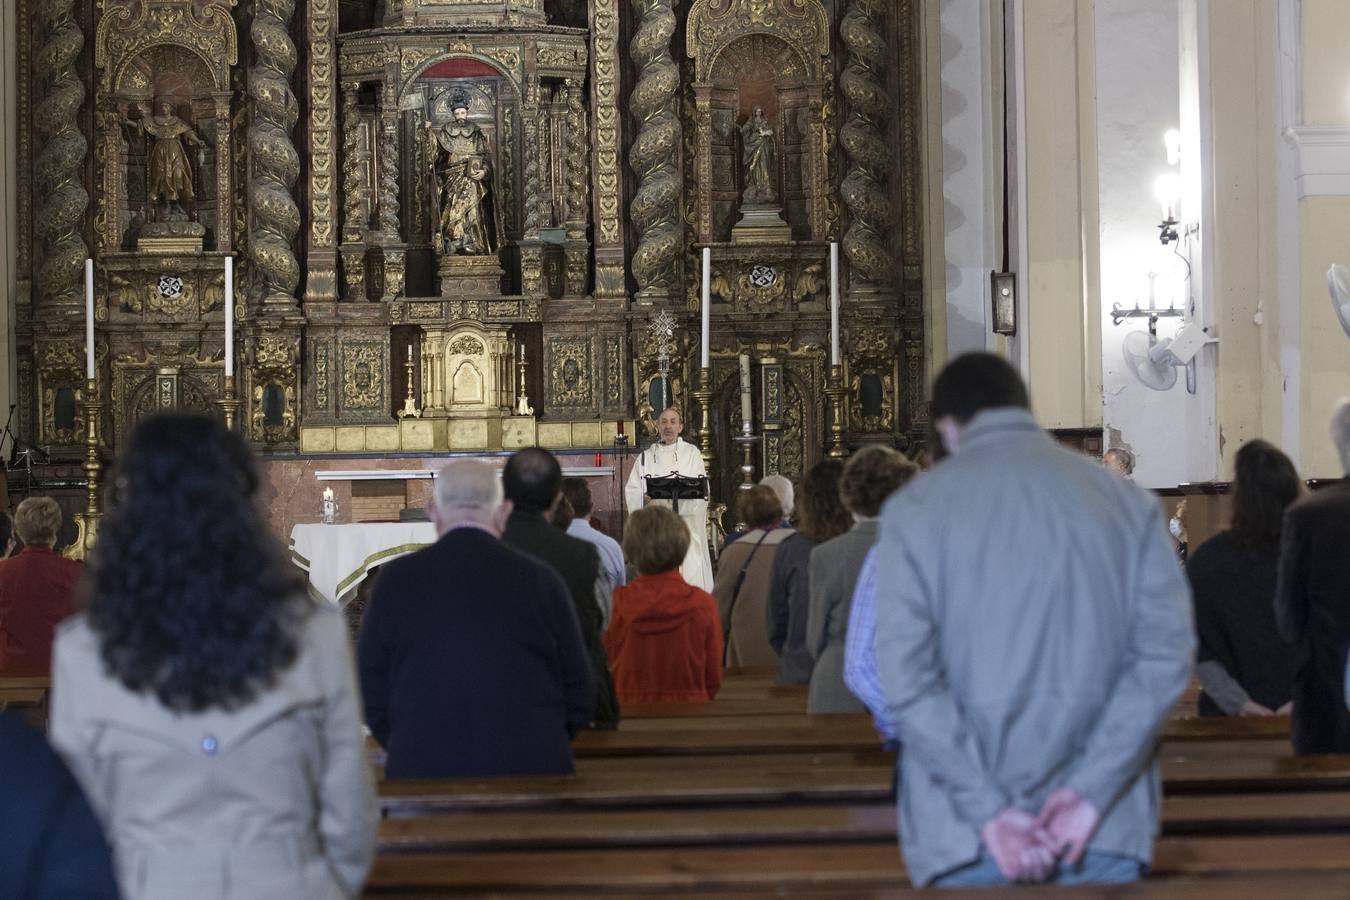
672 456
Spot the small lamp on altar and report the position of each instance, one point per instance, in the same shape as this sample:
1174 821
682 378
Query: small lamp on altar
328 509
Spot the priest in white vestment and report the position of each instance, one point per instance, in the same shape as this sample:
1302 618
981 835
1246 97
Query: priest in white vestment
672 456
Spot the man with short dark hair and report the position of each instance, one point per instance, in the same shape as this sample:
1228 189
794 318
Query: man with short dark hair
1312 605
471 657
532 480
1033 631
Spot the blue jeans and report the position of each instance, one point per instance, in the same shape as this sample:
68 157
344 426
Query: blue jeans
1094 868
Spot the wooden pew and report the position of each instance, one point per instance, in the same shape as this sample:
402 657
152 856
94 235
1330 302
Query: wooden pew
839 867
789 823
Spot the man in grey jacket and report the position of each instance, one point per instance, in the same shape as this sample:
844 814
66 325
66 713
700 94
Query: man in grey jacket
1033 630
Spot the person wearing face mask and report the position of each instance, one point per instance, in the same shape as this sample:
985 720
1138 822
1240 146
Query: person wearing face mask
671 455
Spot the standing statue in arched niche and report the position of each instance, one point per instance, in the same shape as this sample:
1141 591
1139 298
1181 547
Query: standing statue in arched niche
759 159
463 168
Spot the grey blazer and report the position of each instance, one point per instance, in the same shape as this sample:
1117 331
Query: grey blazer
835 565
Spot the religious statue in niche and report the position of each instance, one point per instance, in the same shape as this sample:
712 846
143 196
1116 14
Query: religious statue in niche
463 168
758 160
170 182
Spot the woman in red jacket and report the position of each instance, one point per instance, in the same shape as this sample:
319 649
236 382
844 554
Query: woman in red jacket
665 640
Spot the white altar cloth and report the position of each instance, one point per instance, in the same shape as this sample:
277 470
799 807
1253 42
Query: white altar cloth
337 558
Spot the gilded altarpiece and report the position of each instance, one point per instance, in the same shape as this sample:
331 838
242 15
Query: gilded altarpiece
320 145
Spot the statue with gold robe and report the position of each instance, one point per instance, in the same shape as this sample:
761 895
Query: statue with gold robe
169 177
462 164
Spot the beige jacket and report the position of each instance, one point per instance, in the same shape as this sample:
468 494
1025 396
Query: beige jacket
745 616
273 800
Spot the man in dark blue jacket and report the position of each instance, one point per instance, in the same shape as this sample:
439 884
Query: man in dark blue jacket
471 657
50 843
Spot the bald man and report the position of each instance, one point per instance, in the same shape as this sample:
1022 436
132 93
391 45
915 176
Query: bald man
672 456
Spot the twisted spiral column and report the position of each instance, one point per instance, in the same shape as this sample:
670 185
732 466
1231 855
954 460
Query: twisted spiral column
578 159
276 164
534 213
388 199
354 155
865 189
655 207
59 162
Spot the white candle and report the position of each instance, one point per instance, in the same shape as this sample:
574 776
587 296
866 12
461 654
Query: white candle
229 317
834 303
745 388
410 353
89 319
706 306
328 494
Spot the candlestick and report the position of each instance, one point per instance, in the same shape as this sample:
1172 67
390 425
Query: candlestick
229 404
834 303
704 397
706 307
86 523
229 318
834 390
89 319
409 409
745 390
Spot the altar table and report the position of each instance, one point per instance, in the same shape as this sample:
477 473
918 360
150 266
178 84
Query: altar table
337 558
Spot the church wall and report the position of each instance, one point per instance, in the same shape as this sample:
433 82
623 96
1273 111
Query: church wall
1319 113
1137 78
1325 59
934 267
1059 283
1242 265
1324 226
9 135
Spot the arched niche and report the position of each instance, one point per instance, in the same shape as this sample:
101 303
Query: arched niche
494 93
768 53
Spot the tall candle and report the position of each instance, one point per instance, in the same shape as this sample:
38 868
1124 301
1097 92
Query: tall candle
410 353
229 316
745 388
834 303
706 306
89 319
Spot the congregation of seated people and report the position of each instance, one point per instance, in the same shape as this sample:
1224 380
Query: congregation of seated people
208 718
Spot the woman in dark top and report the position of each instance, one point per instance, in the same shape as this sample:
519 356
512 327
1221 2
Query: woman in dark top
1244 668
820 517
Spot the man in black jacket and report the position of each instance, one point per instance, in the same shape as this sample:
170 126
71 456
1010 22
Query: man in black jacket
471 657
533 483
1312 605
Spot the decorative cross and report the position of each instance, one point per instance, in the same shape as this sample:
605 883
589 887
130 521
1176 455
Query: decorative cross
662 330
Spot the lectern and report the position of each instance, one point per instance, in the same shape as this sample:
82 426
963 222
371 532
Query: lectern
676 488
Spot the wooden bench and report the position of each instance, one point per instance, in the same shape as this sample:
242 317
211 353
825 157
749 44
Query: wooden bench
839 867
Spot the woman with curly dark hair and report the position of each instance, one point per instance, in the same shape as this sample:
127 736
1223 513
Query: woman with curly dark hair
206 704
820 516
1244 668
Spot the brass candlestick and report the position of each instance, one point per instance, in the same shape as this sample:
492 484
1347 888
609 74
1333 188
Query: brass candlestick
748 439
523 407
86 523
409 409
229 404
835 391
704 397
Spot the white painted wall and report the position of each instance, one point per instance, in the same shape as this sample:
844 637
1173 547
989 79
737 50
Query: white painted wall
1138 84
970 202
